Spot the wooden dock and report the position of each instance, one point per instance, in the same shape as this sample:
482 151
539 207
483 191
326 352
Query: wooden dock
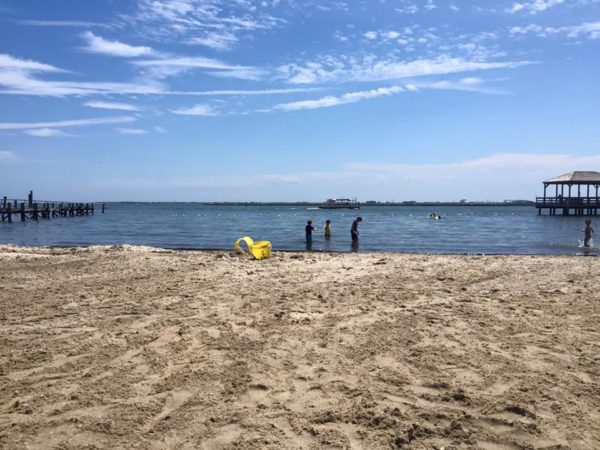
31 210
579 206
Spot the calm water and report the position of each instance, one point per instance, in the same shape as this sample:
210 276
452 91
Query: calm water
466 229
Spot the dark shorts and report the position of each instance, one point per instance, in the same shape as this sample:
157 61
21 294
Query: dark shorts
354 235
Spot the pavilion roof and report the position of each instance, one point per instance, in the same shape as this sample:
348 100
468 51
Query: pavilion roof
576 177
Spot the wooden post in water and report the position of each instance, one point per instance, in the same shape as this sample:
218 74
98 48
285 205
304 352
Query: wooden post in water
22 212
103 206
30 199
9 214
4 203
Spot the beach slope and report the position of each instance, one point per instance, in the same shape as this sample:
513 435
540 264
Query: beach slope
131 347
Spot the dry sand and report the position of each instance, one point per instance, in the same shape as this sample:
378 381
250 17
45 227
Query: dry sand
129 347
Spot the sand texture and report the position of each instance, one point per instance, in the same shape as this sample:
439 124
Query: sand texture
138 348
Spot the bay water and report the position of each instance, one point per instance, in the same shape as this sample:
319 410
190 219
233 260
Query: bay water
462 229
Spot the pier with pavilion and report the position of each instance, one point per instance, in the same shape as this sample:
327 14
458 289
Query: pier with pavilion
574 193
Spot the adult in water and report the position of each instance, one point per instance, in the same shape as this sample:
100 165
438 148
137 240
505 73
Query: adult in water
354 230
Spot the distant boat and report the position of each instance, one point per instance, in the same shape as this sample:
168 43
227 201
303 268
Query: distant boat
340 203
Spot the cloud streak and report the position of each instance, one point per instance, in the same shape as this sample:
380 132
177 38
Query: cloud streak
6 155
164 67
336 70
131 131
97 44
196 110
589 30
112 106
46 132
66 123
8 62
330 101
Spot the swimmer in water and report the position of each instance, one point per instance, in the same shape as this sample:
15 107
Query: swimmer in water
589 231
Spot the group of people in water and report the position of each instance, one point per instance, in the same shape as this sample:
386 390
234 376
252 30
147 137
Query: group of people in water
588 230
327 229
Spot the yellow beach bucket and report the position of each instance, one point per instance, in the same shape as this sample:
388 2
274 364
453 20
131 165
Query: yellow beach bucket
260 249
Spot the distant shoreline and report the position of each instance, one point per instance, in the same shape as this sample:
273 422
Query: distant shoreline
316 204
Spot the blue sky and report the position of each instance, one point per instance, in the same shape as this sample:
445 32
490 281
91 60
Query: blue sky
199 100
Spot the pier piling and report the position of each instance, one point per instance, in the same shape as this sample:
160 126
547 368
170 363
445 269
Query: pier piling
35 211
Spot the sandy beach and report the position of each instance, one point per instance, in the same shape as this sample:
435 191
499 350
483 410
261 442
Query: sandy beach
133 347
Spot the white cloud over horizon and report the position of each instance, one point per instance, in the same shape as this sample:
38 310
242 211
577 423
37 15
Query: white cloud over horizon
445 181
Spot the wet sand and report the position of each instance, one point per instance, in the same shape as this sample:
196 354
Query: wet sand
131 347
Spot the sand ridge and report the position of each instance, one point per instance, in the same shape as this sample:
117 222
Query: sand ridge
129 347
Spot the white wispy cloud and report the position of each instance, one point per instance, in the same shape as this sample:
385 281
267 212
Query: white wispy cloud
131 131
97 44
163 67
495 162
8 62
534 6
23 82
371 69
6 155
408 9
214 23
63 23
429 5
241 92
330 100
589 30
46 132
216 40
200 109
112 106
66 123
468 84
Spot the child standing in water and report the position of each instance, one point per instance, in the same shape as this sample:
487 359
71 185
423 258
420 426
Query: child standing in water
327 229
309 230
589 231
354 229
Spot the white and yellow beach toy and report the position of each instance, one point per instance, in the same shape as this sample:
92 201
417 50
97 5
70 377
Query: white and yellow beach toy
260 249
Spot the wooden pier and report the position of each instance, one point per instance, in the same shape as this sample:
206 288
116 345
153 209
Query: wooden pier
31 210
568 198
